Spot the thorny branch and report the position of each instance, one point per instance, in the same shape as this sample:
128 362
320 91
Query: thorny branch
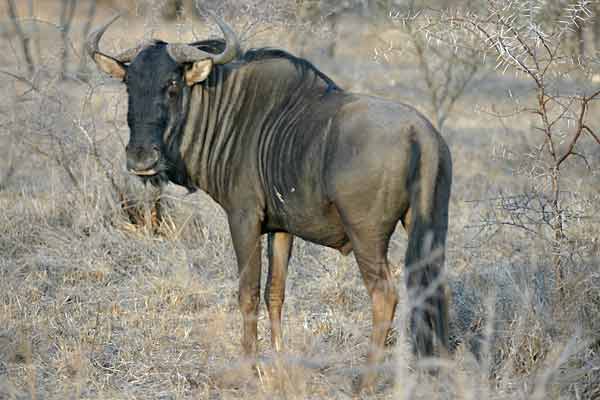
579 128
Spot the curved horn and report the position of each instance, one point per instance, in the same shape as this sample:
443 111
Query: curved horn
186 53
126 56
91 44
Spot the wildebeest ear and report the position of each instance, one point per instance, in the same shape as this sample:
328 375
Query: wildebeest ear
110 66
198 71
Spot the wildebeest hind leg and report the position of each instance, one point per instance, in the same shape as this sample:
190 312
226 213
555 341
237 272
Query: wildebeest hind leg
370 250
279 251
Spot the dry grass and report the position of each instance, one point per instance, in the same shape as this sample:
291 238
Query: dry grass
94 307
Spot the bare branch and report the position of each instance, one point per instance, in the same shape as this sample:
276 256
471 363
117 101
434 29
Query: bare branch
20 79
25 43
589 130
579 128
86 31
66 18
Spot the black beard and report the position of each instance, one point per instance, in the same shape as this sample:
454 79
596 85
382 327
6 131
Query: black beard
159 180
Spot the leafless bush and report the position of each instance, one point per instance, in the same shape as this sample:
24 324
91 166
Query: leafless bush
446 71
51 128
532 47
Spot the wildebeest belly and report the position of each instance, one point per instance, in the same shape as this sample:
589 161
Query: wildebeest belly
310 218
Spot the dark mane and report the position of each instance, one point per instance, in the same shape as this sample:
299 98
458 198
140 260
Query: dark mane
218 45
268 53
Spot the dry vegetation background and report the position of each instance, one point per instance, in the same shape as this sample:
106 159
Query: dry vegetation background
97 302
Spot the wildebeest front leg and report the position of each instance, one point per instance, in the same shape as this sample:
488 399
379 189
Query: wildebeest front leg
245 234
279 251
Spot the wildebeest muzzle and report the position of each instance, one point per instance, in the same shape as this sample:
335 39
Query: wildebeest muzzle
143 160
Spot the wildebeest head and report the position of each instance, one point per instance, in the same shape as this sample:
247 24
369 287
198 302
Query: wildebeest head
157 76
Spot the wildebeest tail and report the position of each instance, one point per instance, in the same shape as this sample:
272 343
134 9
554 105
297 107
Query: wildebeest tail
428 221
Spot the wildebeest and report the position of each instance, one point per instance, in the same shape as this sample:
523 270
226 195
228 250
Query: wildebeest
286 152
